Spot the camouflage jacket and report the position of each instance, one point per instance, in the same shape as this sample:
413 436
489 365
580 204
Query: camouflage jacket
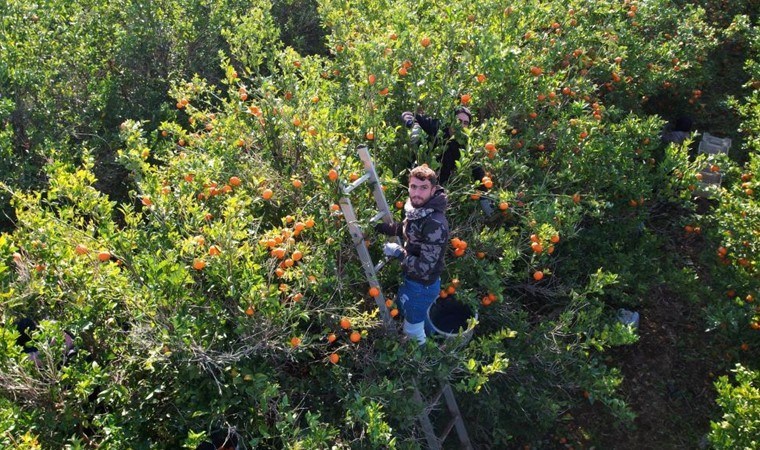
425 231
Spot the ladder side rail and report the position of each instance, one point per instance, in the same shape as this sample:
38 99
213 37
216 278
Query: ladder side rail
451 404
357 236
427 426
377 190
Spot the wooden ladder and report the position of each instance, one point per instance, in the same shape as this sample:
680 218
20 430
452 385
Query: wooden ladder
371 270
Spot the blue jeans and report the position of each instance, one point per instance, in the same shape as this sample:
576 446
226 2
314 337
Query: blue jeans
415 299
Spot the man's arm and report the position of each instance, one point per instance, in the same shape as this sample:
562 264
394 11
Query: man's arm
390 229
428 124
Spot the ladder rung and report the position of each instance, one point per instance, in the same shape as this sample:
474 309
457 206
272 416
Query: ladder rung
348 189
377 217
382 264
448 428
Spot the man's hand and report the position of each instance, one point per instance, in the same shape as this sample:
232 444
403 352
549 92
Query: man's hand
408 119
393 250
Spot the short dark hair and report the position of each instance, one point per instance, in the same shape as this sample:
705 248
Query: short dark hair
465 110
424 172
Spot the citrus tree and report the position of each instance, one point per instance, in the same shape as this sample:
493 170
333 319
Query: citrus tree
227 293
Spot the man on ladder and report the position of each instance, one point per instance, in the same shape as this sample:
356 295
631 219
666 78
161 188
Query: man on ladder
426 232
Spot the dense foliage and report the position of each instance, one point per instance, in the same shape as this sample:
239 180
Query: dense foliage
173 170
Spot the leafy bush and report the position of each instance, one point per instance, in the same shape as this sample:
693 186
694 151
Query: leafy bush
740 424
214 296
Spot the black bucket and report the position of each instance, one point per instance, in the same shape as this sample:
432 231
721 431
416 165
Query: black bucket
449 317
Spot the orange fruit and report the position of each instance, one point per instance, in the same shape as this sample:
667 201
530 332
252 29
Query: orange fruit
536 71
383 92
456 242
480 255
331 338
459 252
312 131
388 303
371 79
199 264
345 323
402 71
104 255
146 201
536 247
189 177
490 146
296 122
295 341
554 239
481 78
374 291
249 311
465 99
297 255
297 183
394 312
503 206
309 222
332 175
425 41
334 358
538 275
81 249
399 204
355 337
451 290
370 136
267 194
214 250
235 181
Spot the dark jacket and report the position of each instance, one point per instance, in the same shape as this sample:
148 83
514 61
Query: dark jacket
452 148
426 232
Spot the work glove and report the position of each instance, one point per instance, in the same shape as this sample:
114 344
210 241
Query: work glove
393 250
407 118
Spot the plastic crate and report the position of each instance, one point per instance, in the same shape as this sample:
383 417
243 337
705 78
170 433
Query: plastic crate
712 145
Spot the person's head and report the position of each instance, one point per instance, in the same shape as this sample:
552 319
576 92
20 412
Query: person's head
422 184
463 115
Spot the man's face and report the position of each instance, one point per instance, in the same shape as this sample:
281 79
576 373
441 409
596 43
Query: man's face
420 191
464 119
